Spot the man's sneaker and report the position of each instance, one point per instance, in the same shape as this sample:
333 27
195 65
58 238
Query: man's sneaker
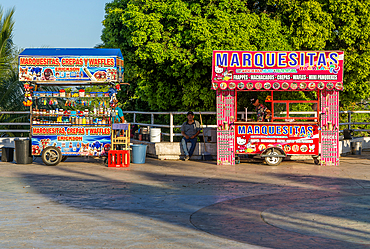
186 158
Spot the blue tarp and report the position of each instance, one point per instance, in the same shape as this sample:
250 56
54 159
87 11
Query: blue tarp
72 52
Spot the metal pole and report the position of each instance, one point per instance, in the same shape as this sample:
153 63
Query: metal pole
134 118
171 127
349 120
152 118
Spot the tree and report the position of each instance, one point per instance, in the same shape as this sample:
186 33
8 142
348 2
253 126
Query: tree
331 25
10 88
167 45
6 43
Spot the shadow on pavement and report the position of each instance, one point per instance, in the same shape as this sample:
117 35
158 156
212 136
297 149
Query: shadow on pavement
223 206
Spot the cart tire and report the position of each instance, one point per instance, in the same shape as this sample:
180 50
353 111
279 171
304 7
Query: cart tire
51 156
64 158
271 159
316 160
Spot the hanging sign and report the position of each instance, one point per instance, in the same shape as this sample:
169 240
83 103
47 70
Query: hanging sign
95 69
72 141
294 139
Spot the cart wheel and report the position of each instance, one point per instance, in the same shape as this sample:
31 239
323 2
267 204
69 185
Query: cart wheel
272 158
64 158
316 160
51 156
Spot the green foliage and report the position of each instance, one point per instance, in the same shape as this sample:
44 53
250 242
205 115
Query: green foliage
6 44
11 89
167 46
332 25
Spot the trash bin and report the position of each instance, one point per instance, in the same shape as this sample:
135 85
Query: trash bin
138 153
7 154
23 151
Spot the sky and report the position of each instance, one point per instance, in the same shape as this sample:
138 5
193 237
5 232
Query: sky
57 24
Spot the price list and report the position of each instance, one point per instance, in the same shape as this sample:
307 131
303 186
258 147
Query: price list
226 142
225 128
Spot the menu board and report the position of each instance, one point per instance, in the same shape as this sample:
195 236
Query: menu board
225 127
95 65
277 70
293 138
77 68
72 141
278 86
330 128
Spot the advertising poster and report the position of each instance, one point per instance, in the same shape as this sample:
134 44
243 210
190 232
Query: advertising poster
330 128
294 139
277 70
72 141
225 128
68 68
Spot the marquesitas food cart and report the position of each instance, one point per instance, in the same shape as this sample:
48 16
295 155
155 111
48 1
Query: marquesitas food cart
74 123
288 133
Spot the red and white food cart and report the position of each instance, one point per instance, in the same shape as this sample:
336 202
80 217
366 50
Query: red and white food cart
288 133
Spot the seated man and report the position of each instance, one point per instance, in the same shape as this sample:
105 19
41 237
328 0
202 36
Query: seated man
263 114
190 130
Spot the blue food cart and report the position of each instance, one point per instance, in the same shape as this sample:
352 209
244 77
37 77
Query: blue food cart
67 122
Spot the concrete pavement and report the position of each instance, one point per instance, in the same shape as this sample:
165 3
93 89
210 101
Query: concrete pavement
176 204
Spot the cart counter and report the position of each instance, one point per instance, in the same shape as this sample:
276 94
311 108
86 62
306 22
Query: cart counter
295 138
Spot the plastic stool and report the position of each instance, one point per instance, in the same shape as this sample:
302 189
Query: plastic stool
119 158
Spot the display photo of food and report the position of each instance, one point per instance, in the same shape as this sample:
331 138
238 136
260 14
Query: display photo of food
36 150
48 73
312 85
261 147
295 148
223 85
232 85
287 148
100 75
267 85
303 85
276 85
330 85
250 86
241 85
304 148
339 85
285 85
293 86
258 85
214 86
320 85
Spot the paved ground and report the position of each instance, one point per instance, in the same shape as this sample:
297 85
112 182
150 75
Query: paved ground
175 204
